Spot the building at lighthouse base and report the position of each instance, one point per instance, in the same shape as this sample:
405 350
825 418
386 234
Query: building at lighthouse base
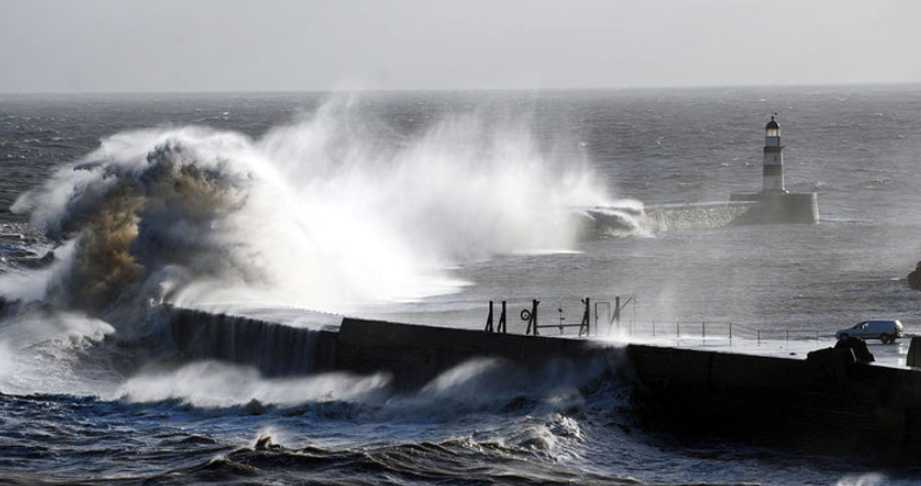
778 207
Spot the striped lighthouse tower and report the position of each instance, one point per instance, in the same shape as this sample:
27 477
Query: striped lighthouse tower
773 158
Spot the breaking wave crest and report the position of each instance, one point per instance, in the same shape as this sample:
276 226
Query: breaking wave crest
325 213
213 384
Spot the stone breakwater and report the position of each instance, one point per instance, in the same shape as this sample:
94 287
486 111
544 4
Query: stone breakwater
829 401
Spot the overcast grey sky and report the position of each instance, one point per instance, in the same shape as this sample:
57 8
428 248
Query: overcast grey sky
221 45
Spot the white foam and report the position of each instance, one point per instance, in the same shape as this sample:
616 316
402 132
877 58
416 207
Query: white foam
214 384
325 213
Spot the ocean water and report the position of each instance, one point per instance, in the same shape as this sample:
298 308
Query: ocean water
420 207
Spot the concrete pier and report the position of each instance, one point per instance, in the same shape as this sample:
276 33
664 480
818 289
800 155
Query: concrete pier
828 401
416 354
411 354
778 208
274 349
741 209
699 216
745 208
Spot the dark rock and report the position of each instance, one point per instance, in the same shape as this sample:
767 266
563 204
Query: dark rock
914 278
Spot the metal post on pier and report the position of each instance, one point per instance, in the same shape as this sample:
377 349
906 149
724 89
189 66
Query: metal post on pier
585 327
730 334
531 317
562 318
703 331
488 327
633 319
615 317
502 327
620 306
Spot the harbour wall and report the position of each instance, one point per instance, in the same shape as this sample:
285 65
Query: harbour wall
706 215
828 401
825 402
274 349
412 354
415 354
779 208
741 209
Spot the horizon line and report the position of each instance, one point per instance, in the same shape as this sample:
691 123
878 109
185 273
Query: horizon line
461 90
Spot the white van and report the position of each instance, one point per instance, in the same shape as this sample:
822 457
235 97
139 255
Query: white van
886 331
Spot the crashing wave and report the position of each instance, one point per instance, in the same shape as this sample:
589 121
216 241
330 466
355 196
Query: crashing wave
618 219
323 213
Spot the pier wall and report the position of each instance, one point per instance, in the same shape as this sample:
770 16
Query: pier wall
412 354
827 401
416 354
780 208
672 217
274 349
741 209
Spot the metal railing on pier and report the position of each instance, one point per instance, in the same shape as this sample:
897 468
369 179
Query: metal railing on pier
602 318
716 330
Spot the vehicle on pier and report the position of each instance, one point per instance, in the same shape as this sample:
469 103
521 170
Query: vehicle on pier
887 331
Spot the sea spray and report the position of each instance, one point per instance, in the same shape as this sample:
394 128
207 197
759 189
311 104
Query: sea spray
44 351
322 213
214 384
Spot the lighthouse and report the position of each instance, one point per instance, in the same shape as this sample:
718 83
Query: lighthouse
773 158
774 204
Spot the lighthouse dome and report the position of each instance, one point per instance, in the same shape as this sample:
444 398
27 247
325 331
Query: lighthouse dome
772 124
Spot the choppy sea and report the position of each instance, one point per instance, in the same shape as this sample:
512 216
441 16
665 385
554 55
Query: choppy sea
420 207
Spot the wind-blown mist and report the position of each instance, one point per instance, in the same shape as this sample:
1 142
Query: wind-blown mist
325 213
